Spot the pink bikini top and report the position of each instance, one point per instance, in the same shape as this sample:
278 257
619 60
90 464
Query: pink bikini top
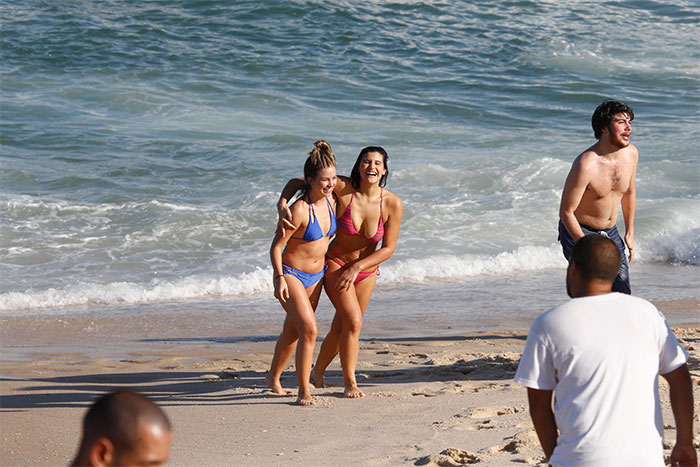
346 226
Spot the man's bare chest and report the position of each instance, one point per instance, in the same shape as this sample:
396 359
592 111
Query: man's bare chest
610 179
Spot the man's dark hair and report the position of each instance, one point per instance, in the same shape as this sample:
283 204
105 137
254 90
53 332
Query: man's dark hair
355 173
604 113
596 257
117 415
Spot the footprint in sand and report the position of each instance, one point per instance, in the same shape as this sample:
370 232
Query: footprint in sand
418 355
523 441
485 425
486 412
424 393
491 387
449 457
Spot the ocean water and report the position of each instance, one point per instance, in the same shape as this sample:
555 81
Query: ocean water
143 146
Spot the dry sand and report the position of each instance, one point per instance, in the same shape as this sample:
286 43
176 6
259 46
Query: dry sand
446 400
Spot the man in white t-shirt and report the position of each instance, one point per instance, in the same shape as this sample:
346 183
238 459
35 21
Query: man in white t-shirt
600 355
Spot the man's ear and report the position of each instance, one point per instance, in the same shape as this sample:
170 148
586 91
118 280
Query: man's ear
101 452
573 270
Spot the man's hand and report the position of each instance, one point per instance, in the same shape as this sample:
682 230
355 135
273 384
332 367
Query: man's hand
684 455
629 241
681 395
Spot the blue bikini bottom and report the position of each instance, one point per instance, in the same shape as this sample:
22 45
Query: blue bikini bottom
307 278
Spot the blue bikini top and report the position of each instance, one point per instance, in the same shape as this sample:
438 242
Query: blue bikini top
313 229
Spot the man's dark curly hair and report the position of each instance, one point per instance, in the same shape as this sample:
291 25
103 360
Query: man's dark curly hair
604 113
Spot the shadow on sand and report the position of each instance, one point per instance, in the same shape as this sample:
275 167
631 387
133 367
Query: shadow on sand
232 386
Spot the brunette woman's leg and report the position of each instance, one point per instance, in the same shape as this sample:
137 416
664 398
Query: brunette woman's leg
330 346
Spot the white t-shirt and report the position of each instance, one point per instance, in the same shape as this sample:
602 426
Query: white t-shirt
602 356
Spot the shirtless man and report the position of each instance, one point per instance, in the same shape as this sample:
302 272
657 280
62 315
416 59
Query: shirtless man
601 179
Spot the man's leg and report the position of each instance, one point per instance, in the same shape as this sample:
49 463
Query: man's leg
567 243
622 281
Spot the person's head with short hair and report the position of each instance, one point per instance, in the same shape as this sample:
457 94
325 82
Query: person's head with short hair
124 428
595 260
604 113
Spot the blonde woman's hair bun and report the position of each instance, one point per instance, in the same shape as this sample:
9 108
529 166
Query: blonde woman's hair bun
320 157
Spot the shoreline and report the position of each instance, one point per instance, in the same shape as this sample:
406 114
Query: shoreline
441 400
113 332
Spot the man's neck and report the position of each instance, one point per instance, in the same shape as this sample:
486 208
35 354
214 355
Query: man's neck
607 150
594 288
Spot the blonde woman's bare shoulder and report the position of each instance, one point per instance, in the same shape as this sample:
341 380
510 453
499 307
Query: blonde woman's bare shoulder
299 208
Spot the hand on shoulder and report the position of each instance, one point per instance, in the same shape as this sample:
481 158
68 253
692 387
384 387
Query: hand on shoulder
342 183
300 212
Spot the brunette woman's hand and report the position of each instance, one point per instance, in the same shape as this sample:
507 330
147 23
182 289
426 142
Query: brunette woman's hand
284 217
347 278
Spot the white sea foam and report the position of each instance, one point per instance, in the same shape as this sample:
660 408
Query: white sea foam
58 207
258 281
188 288
527 258
681 245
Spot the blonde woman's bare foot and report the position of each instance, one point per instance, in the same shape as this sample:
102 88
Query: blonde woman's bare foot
305 400
353 392
276 386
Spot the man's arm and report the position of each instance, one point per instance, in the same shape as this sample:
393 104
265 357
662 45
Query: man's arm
681 392
575 186
629 206
543 418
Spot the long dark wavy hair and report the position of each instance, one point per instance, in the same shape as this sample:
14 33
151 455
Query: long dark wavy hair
355 173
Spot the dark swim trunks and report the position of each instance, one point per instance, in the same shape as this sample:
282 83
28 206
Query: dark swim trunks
622 281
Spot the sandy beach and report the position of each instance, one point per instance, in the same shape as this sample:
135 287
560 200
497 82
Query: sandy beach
143 149
446 400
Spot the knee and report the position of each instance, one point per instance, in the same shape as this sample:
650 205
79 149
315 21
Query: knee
308 332
353 324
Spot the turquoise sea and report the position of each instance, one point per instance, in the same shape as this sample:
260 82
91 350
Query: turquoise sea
143 145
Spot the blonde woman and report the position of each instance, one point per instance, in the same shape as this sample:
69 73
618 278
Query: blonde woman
371 215
298 263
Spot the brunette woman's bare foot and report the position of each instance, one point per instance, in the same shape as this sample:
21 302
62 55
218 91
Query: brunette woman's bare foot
319 382
276 386
353 392
305 400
